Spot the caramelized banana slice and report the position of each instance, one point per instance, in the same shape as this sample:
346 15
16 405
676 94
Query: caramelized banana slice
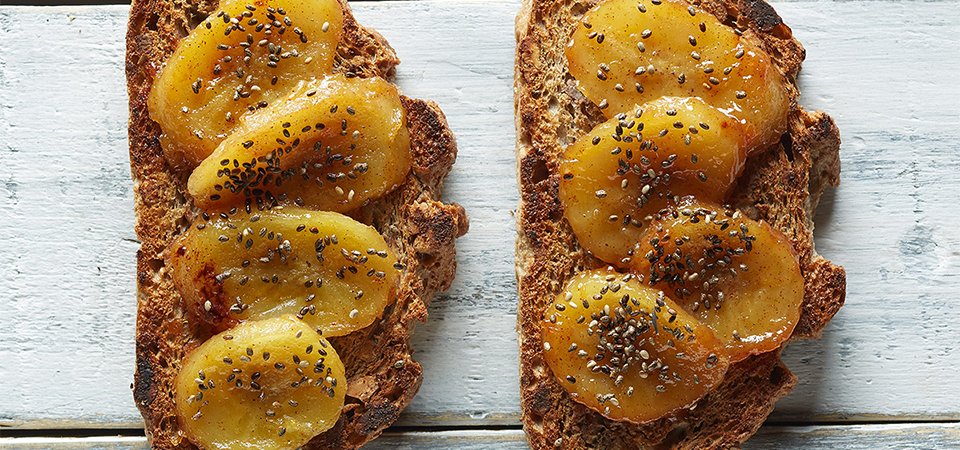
738 276
239 60
333 272
626 351
614 179
333 145
625 53
270 384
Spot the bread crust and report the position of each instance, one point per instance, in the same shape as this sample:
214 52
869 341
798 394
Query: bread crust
781 186
382 376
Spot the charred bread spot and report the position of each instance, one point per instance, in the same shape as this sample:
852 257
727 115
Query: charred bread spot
433 156
143 385
765 18
541 198
434 226
539 402
378 416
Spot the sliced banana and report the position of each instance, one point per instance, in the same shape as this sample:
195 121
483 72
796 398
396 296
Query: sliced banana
615 179
628 52
626 350
738 276
333 145
333 272
238 61
270 384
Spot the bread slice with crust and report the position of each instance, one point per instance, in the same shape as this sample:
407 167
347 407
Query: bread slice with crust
781 186
382 376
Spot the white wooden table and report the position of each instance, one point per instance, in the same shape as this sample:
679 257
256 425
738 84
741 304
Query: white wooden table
886 373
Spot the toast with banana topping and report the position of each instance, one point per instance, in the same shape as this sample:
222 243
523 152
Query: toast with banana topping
292 233
668 183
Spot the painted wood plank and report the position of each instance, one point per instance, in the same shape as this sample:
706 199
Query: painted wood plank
847 437
892 347
66 269
859 437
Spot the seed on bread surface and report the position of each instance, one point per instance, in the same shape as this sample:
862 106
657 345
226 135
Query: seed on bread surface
641 161
333 144
241 59
649 50
268 386
738 276
334 273
626 350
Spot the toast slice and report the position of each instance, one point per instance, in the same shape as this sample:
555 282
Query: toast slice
781 185
382 376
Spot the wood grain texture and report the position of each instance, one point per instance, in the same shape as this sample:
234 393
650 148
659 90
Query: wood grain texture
66 269
848 437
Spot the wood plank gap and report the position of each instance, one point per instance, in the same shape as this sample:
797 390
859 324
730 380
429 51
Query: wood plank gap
888 420
411 429
856 437
70 432
93 432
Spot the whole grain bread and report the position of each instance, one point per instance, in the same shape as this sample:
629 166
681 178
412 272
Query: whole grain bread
781 186
382 377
